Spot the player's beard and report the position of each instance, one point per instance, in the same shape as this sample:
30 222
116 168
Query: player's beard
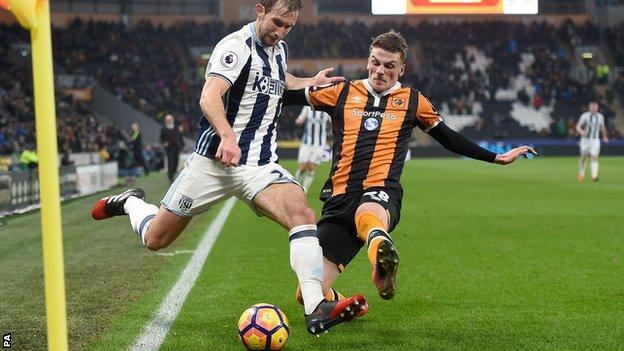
269 40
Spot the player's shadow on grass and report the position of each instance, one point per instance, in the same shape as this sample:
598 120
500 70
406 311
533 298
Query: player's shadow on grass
368 335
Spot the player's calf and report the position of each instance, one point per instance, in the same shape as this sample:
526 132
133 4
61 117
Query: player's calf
384 258
381 252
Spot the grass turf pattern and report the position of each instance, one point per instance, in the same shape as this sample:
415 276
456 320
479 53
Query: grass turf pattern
521 257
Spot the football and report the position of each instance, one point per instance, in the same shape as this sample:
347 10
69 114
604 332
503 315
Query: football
263 327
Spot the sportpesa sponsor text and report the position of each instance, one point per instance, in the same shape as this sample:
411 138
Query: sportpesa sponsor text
361 113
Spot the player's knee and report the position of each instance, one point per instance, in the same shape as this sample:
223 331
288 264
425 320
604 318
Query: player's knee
306 215
299 215
155 243
152 245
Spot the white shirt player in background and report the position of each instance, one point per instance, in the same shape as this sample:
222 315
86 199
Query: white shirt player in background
235 156
312 144
590 125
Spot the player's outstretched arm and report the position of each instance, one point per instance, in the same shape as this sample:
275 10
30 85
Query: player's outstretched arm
513 154
211 105
459 144
321 78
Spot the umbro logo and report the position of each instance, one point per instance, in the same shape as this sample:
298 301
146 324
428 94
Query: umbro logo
357 99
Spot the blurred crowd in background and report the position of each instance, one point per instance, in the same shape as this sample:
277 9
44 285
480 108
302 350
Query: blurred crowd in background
153 69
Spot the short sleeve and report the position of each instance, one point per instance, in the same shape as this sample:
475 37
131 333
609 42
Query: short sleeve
304 111
583 119
228 58
324 96
326 117
426 114
284 51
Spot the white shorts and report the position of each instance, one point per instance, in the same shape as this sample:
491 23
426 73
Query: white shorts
205 182
310 154
590 147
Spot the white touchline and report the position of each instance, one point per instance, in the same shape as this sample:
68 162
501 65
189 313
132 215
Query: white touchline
156 330
173 253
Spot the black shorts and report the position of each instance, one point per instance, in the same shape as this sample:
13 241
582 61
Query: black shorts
336 228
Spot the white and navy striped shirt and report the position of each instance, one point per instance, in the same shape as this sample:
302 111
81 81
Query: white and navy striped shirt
591 122
315 128
257 77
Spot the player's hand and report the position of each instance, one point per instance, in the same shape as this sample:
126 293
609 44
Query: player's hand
511 155
299 121
321 78
605 140
228 152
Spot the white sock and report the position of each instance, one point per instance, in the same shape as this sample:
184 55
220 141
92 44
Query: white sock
307 181
141 215
298 175
582 165
594 169
306 259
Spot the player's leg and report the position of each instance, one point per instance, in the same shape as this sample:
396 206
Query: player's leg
156 228
171 164
308 177
315 156
300 172
584 150
594 152
375 217
197 188
301 160
594 168
330 274
143 163
176 161
338 240
582 166
284 201
163 229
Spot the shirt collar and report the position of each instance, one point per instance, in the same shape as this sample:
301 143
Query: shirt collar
370 89
252 29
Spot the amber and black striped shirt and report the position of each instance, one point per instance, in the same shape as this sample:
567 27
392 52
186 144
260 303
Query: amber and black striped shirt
371 132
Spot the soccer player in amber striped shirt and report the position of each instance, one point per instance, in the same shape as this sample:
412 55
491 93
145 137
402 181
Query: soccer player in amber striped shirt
372 120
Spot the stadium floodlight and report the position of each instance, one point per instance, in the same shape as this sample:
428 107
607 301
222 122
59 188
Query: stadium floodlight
35 16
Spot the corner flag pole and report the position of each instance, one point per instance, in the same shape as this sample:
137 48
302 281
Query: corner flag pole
45 123
35 15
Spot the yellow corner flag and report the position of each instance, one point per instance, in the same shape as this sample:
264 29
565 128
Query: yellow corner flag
24 11
35 16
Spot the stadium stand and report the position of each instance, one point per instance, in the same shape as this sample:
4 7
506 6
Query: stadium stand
520 84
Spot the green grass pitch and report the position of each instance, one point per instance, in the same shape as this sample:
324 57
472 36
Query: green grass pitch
521 257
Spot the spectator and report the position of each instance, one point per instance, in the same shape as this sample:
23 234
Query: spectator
137 148
171 138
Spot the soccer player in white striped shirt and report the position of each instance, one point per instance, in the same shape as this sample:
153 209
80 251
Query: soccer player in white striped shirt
235 156
589 127
312 144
